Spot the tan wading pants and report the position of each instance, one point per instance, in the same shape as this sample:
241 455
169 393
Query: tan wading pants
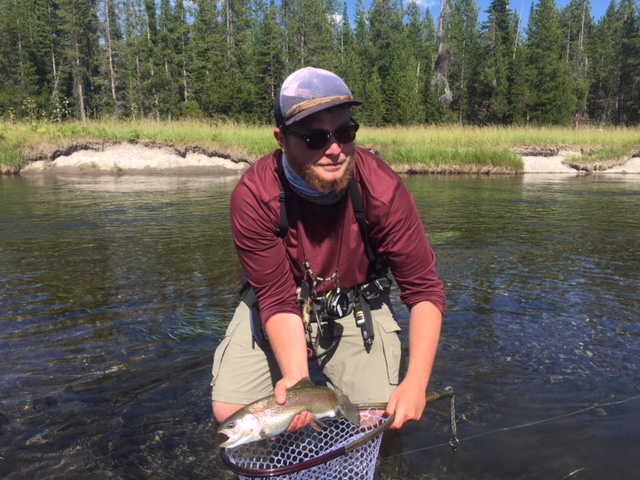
243 372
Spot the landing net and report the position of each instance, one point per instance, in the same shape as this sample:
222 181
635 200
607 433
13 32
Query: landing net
341 451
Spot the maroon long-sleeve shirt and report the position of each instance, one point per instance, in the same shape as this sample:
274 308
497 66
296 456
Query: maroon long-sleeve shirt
329 236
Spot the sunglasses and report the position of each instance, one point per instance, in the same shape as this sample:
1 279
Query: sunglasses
318 139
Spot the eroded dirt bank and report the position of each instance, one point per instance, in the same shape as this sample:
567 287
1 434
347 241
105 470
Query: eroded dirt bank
97 158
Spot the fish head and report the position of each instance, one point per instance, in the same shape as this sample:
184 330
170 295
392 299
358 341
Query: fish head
241 429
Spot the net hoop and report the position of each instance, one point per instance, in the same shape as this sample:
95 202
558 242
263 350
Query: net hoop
340 450
338 437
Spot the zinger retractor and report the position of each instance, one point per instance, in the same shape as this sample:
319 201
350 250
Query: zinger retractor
364 320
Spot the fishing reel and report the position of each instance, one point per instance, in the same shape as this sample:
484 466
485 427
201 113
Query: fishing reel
335 304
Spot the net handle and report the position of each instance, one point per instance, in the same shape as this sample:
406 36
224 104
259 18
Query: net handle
326 457
431 397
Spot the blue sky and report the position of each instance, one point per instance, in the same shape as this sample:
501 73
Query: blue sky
598 7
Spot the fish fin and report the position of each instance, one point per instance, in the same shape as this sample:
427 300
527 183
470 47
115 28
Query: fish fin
349 411
339 392
305 381
317 424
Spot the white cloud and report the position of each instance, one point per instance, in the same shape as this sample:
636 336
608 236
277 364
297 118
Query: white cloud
335 18
426 3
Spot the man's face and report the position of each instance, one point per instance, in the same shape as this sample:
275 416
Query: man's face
328 168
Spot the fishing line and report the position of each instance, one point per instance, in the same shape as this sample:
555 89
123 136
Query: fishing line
523 425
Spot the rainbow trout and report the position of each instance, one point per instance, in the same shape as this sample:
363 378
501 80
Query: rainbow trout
265 418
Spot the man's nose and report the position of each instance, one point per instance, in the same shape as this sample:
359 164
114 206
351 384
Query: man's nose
334 147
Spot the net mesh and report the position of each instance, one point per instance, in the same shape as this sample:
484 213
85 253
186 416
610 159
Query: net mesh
306 444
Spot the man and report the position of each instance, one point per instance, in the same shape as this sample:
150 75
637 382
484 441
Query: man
304 253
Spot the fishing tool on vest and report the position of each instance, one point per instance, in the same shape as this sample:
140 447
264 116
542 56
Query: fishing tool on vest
362 313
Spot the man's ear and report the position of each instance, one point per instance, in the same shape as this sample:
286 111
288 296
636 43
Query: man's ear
279 136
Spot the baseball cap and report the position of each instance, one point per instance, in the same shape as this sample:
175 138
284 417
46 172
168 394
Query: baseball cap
307 91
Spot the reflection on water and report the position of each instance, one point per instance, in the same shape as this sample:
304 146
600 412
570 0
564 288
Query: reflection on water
115 291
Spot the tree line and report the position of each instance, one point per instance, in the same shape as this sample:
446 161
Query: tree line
224 59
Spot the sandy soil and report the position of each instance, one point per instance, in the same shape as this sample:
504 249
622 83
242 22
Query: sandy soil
134 159
125 159
546 165
554 164
632 166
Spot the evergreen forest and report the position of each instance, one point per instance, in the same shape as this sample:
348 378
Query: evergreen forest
224 60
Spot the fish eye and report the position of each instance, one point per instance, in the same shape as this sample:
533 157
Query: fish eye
231 425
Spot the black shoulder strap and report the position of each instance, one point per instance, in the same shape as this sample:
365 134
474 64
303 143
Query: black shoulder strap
356 200
285 201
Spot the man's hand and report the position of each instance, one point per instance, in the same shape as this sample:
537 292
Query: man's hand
409 399
407 402
302 419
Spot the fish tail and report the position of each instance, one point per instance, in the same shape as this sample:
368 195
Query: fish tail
349 410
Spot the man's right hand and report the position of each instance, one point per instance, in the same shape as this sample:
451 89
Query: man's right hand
301 420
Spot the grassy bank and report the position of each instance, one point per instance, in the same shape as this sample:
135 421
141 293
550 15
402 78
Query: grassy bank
442 149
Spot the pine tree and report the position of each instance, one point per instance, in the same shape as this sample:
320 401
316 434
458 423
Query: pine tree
363 65
604 70
153 79
433 112
26 46
165 59
206 52
518 90
492 88
578 26
136 64
410 52
629 86
443 61
388 42
347 66
81 54
13 71
112 65
420 47
44 47
182 39
235 93
309 29
464 44
550 98
269 64
373 111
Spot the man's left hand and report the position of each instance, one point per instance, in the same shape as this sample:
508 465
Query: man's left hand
407 402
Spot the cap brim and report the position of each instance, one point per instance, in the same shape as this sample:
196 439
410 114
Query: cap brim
318 108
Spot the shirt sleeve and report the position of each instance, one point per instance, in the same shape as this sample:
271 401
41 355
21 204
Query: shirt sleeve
411 258
255 218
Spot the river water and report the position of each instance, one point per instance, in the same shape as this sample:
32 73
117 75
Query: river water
114 293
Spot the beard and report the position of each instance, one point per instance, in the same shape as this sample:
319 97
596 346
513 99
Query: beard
315 181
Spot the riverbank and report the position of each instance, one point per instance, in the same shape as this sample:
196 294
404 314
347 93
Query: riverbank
134 159
89 158
199 147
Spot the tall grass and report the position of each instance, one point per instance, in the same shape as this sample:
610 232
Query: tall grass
249 138
442 145
421 148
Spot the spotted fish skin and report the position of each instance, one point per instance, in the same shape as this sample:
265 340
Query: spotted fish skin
265 418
